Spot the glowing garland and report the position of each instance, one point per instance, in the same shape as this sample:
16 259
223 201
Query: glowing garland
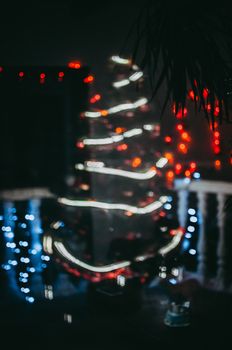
117 109
133 78
112 139
115 206
99 167
118 172
138 74
119 60
101 269
61 249
117 138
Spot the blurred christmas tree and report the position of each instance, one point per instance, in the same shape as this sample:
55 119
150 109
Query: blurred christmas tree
119 174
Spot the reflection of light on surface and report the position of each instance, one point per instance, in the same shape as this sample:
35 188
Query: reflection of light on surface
121 281
175 271
115 206
47 243
162 275
48 292
68 318
173 281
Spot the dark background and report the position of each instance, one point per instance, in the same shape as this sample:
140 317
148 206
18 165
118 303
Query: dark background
54 32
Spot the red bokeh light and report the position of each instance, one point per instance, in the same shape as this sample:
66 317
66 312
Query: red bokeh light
61 74
89 79
136 162
205 93
74 65
104 113
170 175
119 130
179 127
217 149
185 136
193 165
182 148
80 144
181 113
168 139
122 147
217 164
95 98
178 168
21 74
42 76
192 95
216 111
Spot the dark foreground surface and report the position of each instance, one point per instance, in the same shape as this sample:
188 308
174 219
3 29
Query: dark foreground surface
42 306
91 320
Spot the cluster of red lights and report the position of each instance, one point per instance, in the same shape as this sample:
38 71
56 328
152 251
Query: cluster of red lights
74 65
42 75
180 113
182 146
191 168
95 277
216 146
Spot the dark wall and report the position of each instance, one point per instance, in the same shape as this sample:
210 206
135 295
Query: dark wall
39 125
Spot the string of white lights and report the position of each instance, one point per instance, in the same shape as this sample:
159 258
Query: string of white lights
172 245
112 139
138 74
115 206
61 249
124 82
118 172
99 167
97 269
119 60
117 109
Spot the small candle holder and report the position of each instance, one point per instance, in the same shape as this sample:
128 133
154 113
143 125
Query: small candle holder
178 315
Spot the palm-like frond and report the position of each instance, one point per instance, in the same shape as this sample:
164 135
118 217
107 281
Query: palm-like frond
187 45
